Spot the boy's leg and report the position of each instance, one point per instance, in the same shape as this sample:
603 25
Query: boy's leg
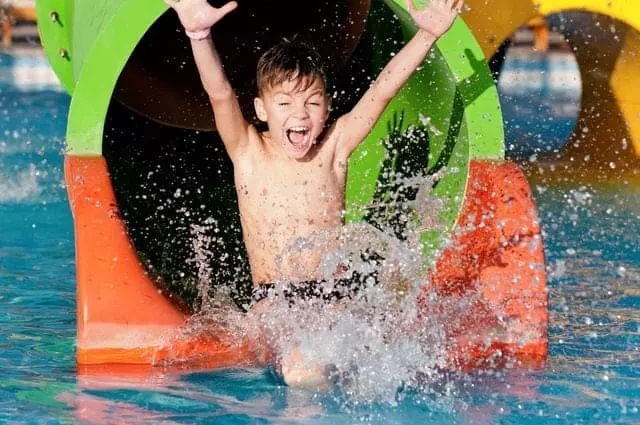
295 369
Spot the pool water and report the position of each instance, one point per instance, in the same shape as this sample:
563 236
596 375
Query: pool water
592 376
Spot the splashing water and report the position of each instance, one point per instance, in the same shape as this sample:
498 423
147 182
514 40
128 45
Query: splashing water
203 254
21 187
371 343
216 303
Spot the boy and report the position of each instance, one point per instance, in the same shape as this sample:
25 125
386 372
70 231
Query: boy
291 178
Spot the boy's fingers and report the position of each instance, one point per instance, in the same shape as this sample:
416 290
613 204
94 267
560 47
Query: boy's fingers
228 7
459 6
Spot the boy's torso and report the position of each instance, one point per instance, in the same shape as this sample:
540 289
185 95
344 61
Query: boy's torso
282 201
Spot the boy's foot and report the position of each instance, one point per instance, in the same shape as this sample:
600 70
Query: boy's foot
296 372
295 369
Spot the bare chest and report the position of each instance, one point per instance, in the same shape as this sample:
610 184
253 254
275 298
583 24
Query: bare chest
306 194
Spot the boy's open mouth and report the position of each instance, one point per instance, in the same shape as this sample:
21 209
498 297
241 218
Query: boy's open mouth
297 136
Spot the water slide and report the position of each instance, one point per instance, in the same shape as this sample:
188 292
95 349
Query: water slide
605 38
144 168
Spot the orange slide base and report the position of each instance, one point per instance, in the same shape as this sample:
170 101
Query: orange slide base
495 259
495 263
122 316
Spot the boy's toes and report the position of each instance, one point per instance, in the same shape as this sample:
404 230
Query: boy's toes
313 379
300 375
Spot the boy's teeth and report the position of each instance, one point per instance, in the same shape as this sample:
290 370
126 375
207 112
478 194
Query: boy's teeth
296 135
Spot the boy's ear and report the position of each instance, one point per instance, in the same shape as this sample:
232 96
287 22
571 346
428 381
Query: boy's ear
261 112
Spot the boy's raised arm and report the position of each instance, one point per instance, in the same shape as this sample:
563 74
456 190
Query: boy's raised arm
433 21
197 17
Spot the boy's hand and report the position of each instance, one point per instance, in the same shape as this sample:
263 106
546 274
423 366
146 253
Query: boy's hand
198 15
437 17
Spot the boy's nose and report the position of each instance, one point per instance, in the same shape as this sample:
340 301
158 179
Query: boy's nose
301 112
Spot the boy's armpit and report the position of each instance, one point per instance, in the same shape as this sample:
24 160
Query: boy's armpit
350 132
245 144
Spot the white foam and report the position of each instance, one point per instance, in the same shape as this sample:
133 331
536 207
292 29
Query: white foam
21 187
376 342
30 73
370 345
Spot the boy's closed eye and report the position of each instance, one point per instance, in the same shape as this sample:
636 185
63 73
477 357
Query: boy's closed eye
282 100
314 101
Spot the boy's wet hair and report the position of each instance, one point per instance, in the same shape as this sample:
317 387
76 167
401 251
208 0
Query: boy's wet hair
290 60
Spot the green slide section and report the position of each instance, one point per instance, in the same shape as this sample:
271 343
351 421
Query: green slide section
451 102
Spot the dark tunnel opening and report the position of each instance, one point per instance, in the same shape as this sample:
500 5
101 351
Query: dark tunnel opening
161 70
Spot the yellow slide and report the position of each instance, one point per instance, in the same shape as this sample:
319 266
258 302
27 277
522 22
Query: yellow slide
605 37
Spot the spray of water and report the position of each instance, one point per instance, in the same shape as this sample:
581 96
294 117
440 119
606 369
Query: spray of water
21 187
216 308
372 341
376 339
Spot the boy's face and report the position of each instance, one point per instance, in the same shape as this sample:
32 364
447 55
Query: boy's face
295 117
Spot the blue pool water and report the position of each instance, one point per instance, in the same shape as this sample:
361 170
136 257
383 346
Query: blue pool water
592 377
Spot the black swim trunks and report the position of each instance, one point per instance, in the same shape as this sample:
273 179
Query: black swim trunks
319 289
